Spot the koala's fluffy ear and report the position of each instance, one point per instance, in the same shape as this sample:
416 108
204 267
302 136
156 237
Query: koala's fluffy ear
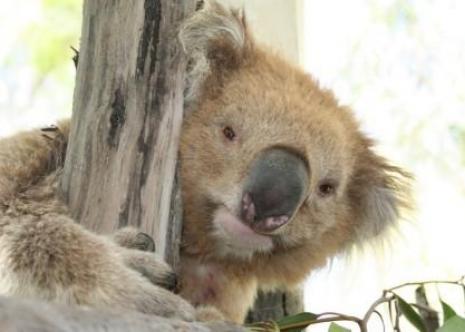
216 40
379 194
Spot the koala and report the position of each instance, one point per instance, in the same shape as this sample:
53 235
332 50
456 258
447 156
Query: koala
277 178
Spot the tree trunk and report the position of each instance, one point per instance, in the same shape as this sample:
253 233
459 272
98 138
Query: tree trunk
127 113
275 305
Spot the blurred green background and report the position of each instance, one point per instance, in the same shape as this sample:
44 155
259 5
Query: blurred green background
36 71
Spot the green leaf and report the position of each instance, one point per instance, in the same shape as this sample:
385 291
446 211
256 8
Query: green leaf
411 315
337 328
454 324
447 311
297 322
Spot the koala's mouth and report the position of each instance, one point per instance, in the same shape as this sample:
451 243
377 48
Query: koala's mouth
231 228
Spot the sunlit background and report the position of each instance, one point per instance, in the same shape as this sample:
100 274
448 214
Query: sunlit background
36 71
400 64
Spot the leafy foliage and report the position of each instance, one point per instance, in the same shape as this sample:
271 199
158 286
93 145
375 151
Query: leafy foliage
412 316
453 324
447 311
414 313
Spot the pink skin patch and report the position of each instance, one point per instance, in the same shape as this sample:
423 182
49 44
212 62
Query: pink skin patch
249 208
204 282
241 236
207 291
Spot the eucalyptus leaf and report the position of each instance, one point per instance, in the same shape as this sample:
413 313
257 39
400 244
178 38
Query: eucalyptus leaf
296 323
412 316
337 328
454 324
447 311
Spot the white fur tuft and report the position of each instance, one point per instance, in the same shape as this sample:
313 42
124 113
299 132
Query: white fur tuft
211 23
198 35
385 205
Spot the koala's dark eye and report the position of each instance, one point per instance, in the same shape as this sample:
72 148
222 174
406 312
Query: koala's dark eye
326 188
229 133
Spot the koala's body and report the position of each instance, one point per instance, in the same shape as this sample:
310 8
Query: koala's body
276 179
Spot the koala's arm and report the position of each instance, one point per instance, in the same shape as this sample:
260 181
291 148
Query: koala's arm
45 255
50 257
29 155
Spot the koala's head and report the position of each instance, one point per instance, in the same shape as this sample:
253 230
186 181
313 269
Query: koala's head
269 160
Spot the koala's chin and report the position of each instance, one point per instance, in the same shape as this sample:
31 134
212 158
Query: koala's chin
236 239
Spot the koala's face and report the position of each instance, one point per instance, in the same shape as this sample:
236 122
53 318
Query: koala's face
270 161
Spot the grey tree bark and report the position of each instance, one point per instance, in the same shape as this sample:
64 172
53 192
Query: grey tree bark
127 113
275 305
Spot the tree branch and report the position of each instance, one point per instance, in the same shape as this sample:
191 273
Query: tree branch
21 315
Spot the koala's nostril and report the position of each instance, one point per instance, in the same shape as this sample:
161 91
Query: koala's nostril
271 223
266 224
248 208
274 222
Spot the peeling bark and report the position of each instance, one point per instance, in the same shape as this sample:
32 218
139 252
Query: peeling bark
127 114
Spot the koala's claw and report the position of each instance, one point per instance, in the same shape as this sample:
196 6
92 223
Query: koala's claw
169 282
144 242
132 238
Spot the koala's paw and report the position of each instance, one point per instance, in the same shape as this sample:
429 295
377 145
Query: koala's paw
132 238
137 253
131 279
135 248
151 267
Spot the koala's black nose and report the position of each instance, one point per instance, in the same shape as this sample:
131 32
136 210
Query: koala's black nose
274 189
